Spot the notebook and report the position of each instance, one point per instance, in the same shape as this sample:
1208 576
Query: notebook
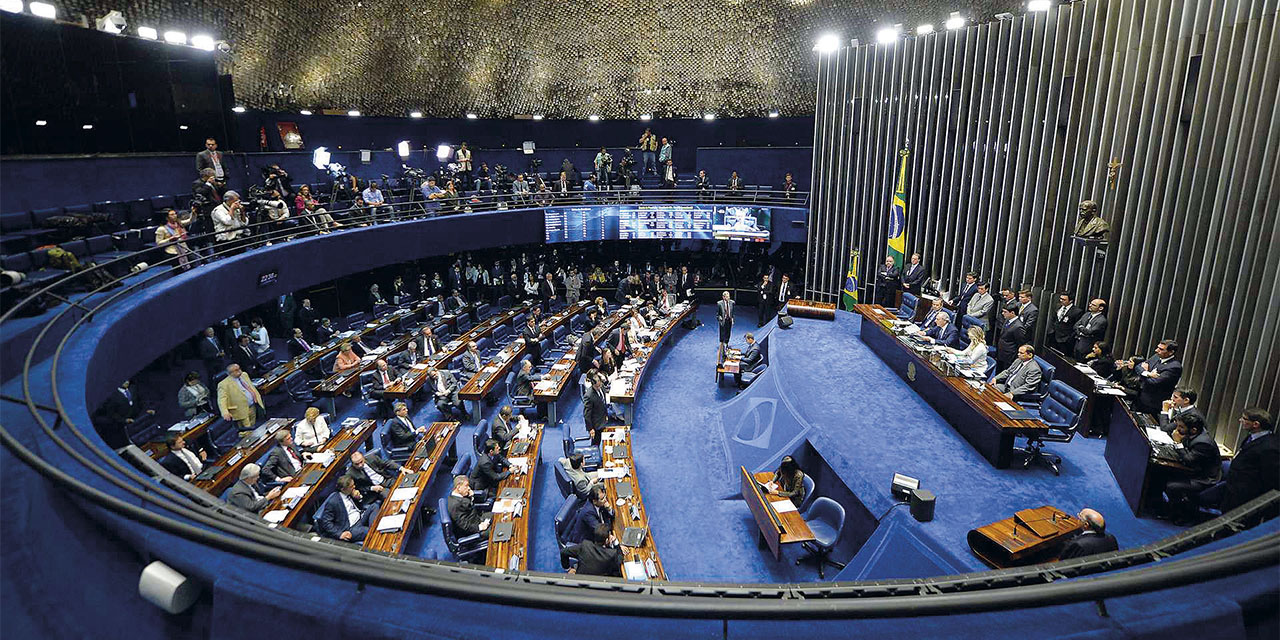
519 448
208 473
624 489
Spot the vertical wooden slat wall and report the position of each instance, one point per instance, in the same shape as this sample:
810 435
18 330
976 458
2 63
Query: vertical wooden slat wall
1011 124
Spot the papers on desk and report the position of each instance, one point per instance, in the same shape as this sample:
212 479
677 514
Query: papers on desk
350 421
346 334
507 506
421 366
1088 370
613 435
391 523
325 458
562 366
783 506
1111 391
275 517
453 344
293 493
545 385
1158 436
371 325
490 369
618 388
878 311
606 473
404 493
634 570
1005 406
521 463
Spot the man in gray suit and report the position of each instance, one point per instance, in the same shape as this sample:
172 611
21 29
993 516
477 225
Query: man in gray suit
1027 312
581 480
446 392
980 305
724 316
245 496
1023 376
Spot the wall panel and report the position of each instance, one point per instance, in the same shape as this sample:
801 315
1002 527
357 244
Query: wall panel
1011 124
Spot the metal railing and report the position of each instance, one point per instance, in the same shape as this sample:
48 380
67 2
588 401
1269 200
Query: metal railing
175 507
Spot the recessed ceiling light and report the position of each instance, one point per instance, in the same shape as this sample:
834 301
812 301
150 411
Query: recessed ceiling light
594 118
1032 5
305 112
773 114
646 117
472 116
175 37
924 29
183 127
415 114
12 6
887 35
538 116
238 109
354 113
148 33
202 41
708 116
827 43
956 21
86 127
41 123
43 10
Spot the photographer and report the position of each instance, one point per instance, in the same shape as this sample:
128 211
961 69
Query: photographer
275 178
625 171
229 221
205 195
604 166
274 209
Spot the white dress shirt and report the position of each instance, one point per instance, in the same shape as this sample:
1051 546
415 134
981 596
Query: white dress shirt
312 434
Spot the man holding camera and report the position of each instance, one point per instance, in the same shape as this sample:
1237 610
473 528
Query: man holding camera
229 221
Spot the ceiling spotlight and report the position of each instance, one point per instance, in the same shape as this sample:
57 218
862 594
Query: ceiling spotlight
538 116
43 10
11 6
594 118
924 29
148 33
86 127
887 35
415 114
41 123
443 152
708 116
827 43
354 113
175 37
1039 5
203 42
403 148
238 109
646 117
773 114
183 127
956 21
113 22
305 112
472 116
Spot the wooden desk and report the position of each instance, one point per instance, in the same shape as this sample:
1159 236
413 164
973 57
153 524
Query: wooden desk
1095 416
776 529
811 309
623 389
495 370
425 463
419 375
547 391
623 518
1137 471
972 412
499 553
729 362
1012 542
353 436
159 448
302 362
235 459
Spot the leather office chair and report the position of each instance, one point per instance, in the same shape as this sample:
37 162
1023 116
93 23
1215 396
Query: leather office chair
519 403
826 519
484 310
486 348
908 308
564 519
1209 499
505 302
143 429
809 495
464 324
357 320
223 436
465 549
750 376
1060 410
1047 372
560 335
393 453
295 384
562 479
479 436
366 383
463 466
591 457
501 335
991 369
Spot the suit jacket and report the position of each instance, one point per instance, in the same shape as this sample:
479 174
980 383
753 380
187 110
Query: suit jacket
116 409
465 516
1089 328
751 357
1064 330
401 434
427 347
980 307
1087 543
1029 314
502 432
1020 377
232 400
593 559
204 160
376 299
377 387
944 335
296 347
579 479
246 357
245 497
912 276
176 466
1254 471
1169 423
323 333
546 290
212 198
524 383
1157 389
1201 454
385 468
764 293
1012 336
471 362
404 360
209 348
278 465
447 387
307 320
967 291
332 519
724 312
888 277
589 516
489 473
586 353
594 411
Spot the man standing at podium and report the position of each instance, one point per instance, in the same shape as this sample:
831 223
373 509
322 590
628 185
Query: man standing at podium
1094 538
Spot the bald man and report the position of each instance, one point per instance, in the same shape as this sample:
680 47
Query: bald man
1094 538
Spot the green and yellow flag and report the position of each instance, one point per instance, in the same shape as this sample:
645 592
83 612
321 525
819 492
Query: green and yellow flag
850 295
898 216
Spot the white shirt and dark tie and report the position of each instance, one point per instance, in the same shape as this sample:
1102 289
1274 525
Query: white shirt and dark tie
374 477
782 293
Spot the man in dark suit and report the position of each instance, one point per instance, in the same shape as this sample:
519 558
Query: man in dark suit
586 351
325 330
1182 401
234 331
342 517
374 477
206 195
764 300
1091 328
384 375
122 407
455 301
409 357
472 363
1028 312
1256 468
967 291
375 298
1200 453
400 429
594 407
594 513
299 344
532 338
428 344
491 469
244 493
943 331
503 428
599 555
244 355
211 353
913 276
1093 539
1012 336
931 315
547 290
724 317
592 320
888 278
525 378
446 390
307 319
687 283
181 461
782 294
1062 325
210 159
468 519
749 359
1159 374
285 460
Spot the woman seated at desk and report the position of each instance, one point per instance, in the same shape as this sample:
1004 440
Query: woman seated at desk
974 358
346 360
1099 359
312 430
788 481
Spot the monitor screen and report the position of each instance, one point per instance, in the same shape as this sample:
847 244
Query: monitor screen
656 222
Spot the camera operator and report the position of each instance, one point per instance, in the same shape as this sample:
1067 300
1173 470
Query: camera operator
604 167
275 178
274 209
205 195
625 168
229 222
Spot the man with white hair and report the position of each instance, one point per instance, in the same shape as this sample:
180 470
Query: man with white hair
244 493
1094 538
942 332
229 220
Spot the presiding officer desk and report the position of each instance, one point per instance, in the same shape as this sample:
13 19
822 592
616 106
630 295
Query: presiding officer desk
509 529
971 411
413 380
548 390
400 511
321 468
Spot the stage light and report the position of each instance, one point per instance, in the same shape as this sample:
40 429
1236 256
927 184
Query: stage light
415 114
538 116
148 33
1039 5
354 113
527 147
203 42
646 117
43 10
472 116
113 22
774 114
708 116
86 127
183 127
887 35
443 152
175 37
12 6
594 118
403 148
320 157
41 123
827 43
924 29
956 21
238 109
305 112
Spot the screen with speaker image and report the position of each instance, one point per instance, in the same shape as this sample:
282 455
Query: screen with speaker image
656 222
741 222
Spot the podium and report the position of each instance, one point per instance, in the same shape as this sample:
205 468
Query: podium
1031 536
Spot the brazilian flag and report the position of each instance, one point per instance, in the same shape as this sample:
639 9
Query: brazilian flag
850 295
898 216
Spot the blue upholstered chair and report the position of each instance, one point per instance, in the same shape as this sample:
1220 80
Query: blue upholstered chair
1060 411
519 404
1047 373
479 436
564 519
463 549
298 388
826 520
908 308
809 495
562 478
396 454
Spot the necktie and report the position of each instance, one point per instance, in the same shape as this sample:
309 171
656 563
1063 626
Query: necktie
293 458
386 382
304 344
127 396
248 395
214 342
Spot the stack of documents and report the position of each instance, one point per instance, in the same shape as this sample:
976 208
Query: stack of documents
391 523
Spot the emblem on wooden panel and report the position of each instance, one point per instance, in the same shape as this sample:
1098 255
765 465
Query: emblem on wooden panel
911 371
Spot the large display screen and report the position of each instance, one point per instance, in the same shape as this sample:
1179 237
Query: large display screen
657 222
